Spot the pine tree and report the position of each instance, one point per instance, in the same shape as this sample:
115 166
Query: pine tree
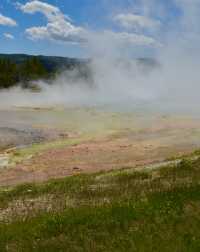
8 73
32 69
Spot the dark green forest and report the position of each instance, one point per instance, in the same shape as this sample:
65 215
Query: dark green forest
22 69
12 73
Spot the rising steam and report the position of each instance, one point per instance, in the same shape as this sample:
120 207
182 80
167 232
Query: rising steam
117 78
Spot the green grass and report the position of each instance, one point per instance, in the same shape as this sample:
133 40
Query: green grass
157 210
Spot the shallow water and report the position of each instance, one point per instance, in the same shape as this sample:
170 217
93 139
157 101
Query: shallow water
24 126
4 160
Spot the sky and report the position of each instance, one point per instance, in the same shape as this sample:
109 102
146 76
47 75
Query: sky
72 27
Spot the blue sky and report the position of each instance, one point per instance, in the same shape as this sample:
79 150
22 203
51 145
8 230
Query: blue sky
64 27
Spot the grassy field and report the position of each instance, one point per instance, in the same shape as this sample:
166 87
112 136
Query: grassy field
151 210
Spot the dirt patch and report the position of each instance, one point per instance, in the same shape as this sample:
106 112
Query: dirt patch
92 157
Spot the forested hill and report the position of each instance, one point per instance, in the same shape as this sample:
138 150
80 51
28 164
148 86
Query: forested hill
51 63
22 68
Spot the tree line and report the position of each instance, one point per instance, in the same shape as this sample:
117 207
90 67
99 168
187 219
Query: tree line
12 73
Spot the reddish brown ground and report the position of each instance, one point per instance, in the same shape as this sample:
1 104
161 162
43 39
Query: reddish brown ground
95 156
134 144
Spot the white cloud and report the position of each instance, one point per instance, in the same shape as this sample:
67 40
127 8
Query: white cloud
133 39
35 5
51 12
8 36
59 26
7 21
136 22
58 31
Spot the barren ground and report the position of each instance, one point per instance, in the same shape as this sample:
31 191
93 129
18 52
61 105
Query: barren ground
49 143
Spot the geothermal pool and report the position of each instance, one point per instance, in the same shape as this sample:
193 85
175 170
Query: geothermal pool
41 143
